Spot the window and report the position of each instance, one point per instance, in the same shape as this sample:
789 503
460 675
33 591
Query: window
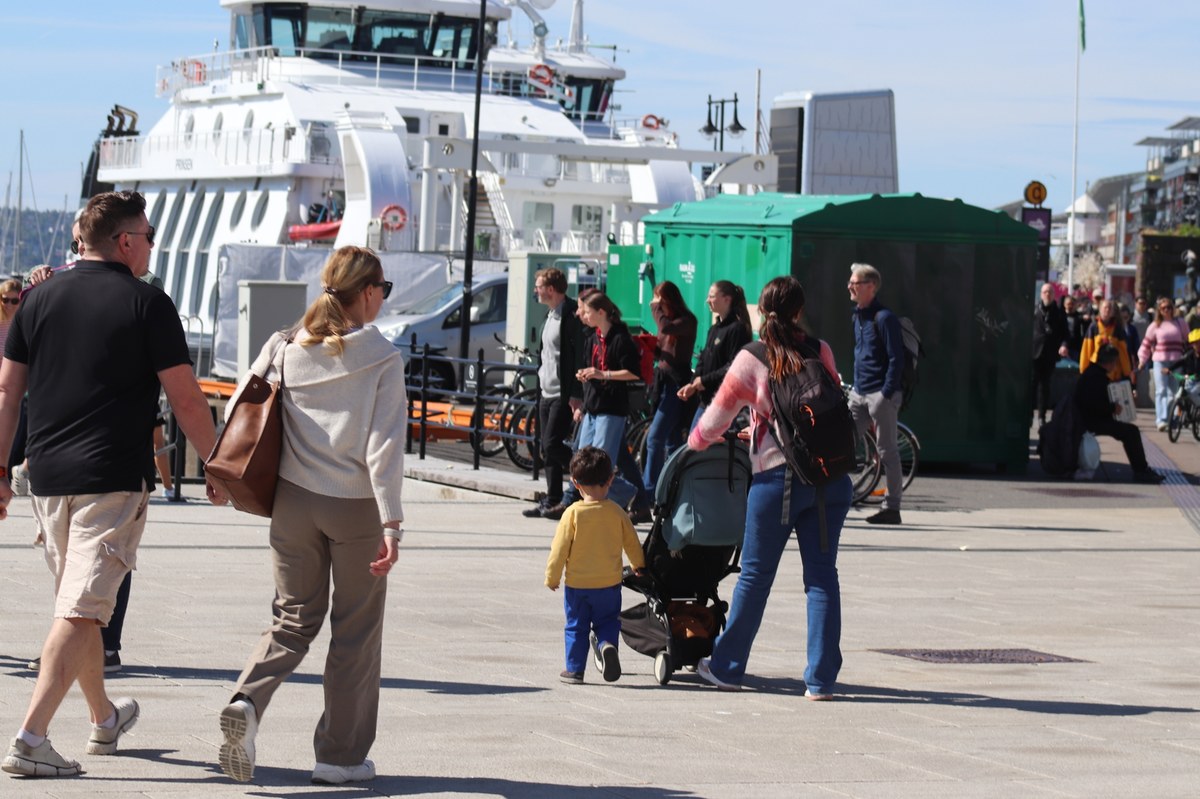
587 218
239 207
156 211
329 29
260 210
538 215
206 239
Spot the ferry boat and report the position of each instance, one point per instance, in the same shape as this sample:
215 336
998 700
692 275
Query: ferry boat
346 122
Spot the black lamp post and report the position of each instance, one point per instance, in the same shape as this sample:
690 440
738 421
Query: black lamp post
717 132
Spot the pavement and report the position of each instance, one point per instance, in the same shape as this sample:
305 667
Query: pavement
1102 575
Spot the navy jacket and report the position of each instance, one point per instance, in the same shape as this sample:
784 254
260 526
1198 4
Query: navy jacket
878 359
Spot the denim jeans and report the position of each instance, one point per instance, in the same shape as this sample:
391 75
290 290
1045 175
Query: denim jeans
663 436
590 609
608 433
771 515
1165 386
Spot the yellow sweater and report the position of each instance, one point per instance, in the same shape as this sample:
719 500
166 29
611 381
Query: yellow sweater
588 542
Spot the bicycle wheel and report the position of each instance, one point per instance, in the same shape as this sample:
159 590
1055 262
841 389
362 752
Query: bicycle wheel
866 472
489 420
635 440
519 422
1194 415
910 451
1176 418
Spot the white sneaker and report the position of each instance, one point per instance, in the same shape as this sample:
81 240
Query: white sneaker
37 761
104 739
1162 428
20 480
328 774
702 668
239 723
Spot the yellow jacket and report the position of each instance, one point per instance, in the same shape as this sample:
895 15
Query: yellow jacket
588 542
1098 334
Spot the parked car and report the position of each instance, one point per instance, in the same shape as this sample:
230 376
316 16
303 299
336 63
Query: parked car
436 318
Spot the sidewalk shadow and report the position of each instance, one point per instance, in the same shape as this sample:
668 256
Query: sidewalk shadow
130 670
884 695
416 785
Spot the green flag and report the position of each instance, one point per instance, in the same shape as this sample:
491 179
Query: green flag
1082 28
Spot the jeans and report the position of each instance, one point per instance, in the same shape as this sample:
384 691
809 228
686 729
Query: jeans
626 467
663 436
1165 386
590 609
873 407
608 433
771 515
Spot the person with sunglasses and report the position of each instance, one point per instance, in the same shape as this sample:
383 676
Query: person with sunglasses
94 347
336 518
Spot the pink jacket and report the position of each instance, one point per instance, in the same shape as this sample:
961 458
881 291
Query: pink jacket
1167 340
746 383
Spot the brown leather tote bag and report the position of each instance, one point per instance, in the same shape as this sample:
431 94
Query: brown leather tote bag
244 462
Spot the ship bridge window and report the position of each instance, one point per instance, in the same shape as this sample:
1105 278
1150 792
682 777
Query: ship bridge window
588 100
587 218
329 29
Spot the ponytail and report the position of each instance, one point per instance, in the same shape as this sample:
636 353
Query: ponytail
345 275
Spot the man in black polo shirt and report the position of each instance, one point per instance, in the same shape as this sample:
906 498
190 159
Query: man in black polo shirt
92 347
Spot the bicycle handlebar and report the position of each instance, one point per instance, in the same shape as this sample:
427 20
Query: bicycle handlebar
513 348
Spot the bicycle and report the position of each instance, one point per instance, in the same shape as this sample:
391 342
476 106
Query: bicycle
869 470
497 405
1181 413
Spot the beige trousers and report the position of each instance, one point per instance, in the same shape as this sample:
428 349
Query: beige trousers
314 538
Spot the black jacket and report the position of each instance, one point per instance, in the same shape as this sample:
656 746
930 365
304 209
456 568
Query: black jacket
1091 398
724 340
619 352
570 359
1049 331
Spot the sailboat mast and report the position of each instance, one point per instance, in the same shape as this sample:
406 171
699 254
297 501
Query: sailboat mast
20 201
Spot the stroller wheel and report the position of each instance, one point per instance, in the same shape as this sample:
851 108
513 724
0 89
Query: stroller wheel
662 667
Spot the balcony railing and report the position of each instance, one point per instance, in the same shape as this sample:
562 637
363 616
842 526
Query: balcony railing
254 147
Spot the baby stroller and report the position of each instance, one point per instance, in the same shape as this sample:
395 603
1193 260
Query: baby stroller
694 543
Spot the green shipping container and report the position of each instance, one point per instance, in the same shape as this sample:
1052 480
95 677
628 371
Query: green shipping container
965 275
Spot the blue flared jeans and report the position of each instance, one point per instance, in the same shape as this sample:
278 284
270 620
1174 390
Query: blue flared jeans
778 504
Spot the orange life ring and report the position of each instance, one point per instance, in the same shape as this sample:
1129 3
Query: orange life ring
195 71
651 122
394 218
541 74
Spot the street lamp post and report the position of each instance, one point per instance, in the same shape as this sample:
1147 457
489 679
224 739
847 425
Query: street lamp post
717 132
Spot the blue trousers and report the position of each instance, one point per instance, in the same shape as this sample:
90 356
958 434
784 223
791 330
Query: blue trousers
771 516
590 609
663 436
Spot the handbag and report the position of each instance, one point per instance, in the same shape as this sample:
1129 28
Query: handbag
244 462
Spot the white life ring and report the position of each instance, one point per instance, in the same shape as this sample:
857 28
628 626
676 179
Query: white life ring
651 122
393 218
541 75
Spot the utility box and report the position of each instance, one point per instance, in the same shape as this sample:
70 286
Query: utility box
965 275
264 308
525 314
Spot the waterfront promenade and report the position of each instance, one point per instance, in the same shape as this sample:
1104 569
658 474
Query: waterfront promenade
1104 574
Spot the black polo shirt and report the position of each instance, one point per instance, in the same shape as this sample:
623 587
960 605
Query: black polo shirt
94 339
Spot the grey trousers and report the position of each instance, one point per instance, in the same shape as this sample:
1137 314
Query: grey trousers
314 538
873 407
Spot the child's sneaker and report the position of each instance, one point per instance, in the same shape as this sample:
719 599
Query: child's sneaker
612 663
572 677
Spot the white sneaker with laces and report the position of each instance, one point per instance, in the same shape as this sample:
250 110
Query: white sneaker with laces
239 724
329 774
37 761
104 739
703 669
20 480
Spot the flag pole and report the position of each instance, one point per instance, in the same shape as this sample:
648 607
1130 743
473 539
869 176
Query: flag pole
1074 162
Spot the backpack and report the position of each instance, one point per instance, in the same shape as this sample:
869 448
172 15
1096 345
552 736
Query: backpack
647 343
913 351
1059 439
810 419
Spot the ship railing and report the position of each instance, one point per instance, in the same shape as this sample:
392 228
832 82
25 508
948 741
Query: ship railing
326 66
235 147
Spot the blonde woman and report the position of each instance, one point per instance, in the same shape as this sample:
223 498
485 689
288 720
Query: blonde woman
10 300
337 519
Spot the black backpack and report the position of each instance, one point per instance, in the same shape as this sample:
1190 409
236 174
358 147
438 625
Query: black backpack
811 421
913 352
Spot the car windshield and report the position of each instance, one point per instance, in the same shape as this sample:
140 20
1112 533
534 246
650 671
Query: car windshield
432 302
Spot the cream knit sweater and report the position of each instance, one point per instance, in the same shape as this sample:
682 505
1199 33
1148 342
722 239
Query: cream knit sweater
344 418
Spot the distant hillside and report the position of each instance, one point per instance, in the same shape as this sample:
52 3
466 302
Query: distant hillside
39 242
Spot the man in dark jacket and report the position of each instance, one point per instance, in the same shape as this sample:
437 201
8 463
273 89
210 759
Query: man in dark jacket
1092 400
1075 328
561 357
1049 332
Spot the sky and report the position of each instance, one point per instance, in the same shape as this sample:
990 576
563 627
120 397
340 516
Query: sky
984 91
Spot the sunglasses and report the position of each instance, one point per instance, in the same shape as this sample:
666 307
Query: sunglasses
149 234
13 301
386 285
75 246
